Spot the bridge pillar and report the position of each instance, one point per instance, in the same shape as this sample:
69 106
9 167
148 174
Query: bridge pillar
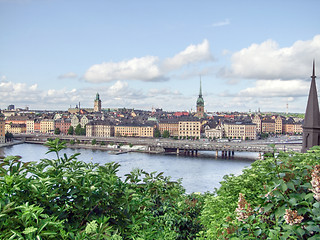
229 153
217 153
196 153
232 153
192 152
178 151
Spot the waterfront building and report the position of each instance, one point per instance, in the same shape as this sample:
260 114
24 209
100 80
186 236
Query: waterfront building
257 120
15 128
311 125
278 124
97 104
171 125
189 127
2 129
298 128
63 124
200 104
240 130
99 128
134 130
30 126
47 126
268 125
214 132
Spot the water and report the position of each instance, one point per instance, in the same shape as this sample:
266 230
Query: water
198 174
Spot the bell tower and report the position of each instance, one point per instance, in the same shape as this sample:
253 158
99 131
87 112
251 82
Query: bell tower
200 104
311 125
97 104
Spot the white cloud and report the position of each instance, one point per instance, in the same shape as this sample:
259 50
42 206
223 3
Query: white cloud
222 23
192 54
68 75
276 88
268 61
148 68
3 78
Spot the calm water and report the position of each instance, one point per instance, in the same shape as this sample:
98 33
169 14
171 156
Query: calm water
198 174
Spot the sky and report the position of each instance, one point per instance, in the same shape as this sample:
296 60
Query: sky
144 54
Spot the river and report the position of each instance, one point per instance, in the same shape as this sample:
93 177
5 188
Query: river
198 174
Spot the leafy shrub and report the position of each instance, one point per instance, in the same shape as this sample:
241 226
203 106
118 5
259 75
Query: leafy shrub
276 201
64 198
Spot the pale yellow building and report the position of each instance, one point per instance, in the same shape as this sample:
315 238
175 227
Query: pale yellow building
257 120
189 128
214 133
170 125
278 125
15 128
30 126
47 126
99 129
240 130
134 130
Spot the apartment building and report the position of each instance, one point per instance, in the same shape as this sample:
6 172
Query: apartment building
99 129
240 130
170 125
134 130
47 126
189 127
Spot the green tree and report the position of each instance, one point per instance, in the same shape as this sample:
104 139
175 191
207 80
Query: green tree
94 142
77 130
57 131
8 137
157 133
70 130
166 134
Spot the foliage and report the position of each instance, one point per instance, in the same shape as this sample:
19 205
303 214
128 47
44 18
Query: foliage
8 137
278 197
71 130
157 133
57 131
64 198
79 130
166 134
93 142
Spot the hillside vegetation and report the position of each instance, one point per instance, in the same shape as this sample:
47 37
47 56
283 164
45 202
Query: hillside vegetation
63 198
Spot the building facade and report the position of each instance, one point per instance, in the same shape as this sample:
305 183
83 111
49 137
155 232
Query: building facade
47 126
189 128
100 128
134 130
170 125
240 130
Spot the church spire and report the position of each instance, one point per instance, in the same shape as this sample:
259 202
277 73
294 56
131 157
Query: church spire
200 92
311 125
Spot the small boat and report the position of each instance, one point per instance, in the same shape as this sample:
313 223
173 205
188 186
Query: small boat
117 152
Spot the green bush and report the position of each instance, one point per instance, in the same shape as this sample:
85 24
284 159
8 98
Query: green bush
64 198
276 201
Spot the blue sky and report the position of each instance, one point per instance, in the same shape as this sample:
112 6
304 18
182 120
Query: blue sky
144 54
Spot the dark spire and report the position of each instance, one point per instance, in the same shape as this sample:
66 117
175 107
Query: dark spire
312 118
311 125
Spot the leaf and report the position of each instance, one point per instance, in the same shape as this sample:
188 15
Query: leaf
257 232
29 230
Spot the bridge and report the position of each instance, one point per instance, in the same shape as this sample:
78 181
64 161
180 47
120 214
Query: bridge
185 147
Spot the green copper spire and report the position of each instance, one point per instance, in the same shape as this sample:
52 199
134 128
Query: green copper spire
200 101
97 96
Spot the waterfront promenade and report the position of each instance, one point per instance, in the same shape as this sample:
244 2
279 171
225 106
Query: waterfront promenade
163 145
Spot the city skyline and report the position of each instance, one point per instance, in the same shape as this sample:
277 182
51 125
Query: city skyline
141 55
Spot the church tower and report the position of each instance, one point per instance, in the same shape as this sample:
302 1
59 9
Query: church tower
311 125
200 104
97 104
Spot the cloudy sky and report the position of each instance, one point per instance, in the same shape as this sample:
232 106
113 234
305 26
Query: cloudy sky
144 54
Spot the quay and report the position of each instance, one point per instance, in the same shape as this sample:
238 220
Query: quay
179 147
